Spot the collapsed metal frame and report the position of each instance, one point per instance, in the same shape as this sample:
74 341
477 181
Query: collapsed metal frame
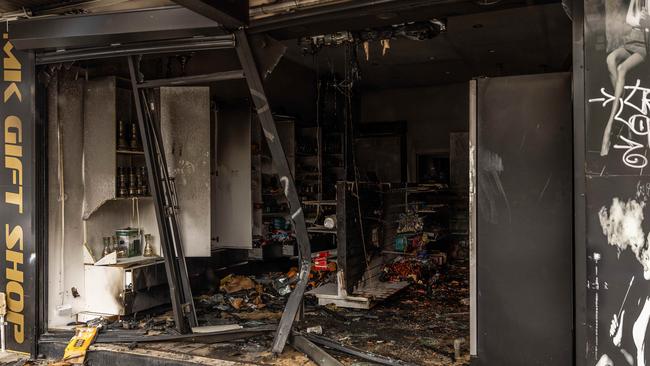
165 201
77 46
164 197
254 81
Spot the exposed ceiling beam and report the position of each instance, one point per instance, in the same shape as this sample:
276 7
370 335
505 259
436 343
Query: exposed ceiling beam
65 32
139 48
229 13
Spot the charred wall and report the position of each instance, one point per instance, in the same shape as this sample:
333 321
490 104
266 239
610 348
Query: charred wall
431 114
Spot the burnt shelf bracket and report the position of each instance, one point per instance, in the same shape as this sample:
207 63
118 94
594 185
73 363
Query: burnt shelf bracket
254 81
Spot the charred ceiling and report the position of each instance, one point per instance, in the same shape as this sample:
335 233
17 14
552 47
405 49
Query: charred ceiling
534 39
400 42
361 14
282 15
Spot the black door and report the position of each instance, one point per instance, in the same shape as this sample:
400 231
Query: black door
524 220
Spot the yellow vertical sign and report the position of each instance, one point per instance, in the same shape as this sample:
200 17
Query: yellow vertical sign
14 216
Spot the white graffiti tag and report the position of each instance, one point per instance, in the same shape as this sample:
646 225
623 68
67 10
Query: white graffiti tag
632 112
630 157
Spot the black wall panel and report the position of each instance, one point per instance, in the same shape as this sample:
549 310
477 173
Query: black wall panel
524 225
617 185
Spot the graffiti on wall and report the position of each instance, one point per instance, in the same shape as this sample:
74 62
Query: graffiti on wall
629 114
617 86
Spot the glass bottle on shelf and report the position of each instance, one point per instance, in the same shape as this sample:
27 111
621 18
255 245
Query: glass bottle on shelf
144 188
122 189
132 182
121 137
135 144
148 248
114 247
107 246
138 188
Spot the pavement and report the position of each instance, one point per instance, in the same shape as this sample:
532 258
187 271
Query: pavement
8 358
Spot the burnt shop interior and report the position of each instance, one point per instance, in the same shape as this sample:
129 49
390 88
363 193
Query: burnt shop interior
374 123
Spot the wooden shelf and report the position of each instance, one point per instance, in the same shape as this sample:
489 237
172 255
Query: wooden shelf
321 230
275 214
391 252
130 152
131 198
319 203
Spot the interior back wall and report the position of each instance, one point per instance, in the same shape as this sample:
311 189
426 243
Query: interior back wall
431 113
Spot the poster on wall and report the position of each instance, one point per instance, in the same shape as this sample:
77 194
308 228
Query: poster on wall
17 247
617 87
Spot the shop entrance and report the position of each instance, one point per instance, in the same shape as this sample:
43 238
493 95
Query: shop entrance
431 175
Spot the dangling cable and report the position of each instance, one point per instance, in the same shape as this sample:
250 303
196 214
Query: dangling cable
318 131
61 179
351 76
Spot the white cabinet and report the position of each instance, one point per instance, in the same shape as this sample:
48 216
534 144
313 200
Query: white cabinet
184 115
104 210
132 285
185 129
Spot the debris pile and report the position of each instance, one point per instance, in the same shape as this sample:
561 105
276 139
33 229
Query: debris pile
410 222
240 296
425 324
420 240
404 269
419 270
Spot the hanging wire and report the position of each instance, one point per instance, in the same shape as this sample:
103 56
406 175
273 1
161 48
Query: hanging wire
346 87
61 179
318 131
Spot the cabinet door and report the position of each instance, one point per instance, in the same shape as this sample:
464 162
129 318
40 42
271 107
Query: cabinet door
233 206
185 128
524 230
99 164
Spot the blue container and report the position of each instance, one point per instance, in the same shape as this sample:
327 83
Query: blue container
401 243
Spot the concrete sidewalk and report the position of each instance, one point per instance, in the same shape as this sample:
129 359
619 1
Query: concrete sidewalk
9 358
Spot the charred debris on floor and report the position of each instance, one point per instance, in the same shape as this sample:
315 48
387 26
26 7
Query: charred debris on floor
424 324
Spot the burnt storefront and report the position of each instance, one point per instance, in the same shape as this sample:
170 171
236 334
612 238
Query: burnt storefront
326 182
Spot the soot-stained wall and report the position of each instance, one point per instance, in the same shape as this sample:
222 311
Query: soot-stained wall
431 113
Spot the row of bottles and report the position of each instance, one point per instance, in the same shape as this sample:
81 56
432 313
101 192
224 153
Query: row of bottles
130 140
132 182
126 242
